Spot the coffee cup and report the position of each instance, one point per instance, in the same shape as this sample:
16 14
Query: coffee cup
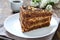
16 4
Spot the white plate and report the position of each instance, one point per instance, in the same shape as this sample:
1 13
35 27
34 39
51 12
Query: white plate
12 25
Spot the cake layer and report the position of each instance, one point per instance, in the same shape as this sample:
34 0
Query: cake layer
36 25
34 21
35 13
39 25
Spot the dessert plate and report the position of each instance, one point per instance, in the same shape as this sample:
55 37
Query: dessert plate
12 25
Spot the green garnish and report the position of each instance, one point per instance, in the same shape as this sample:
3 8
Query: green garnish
36 0
50 3
32 0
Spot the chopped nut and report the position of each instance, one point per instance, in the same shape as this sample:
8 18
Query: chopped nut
32 20
33 8
29 7
43 11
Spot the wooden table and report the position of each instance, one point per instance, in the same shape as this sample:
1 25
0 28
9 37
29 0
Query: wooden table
7 12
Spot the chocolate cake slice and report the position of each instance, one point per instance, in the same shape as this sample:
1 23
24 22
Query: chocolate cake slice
33 18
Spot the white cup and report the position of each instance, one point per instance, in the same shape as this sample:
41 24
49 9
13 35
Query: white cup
16 4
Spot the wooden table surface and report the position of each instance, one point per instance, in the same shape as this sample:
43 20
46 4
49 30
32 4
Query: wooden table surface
6 11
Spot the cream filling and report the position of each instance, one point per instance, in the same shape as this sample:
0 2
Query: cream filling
38 18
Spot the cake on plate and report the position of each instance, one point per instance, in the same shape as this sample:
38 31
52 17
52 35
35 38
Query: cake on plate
33 18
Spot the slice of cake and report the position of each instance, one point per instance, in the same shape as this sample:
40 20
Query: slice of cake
32 18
